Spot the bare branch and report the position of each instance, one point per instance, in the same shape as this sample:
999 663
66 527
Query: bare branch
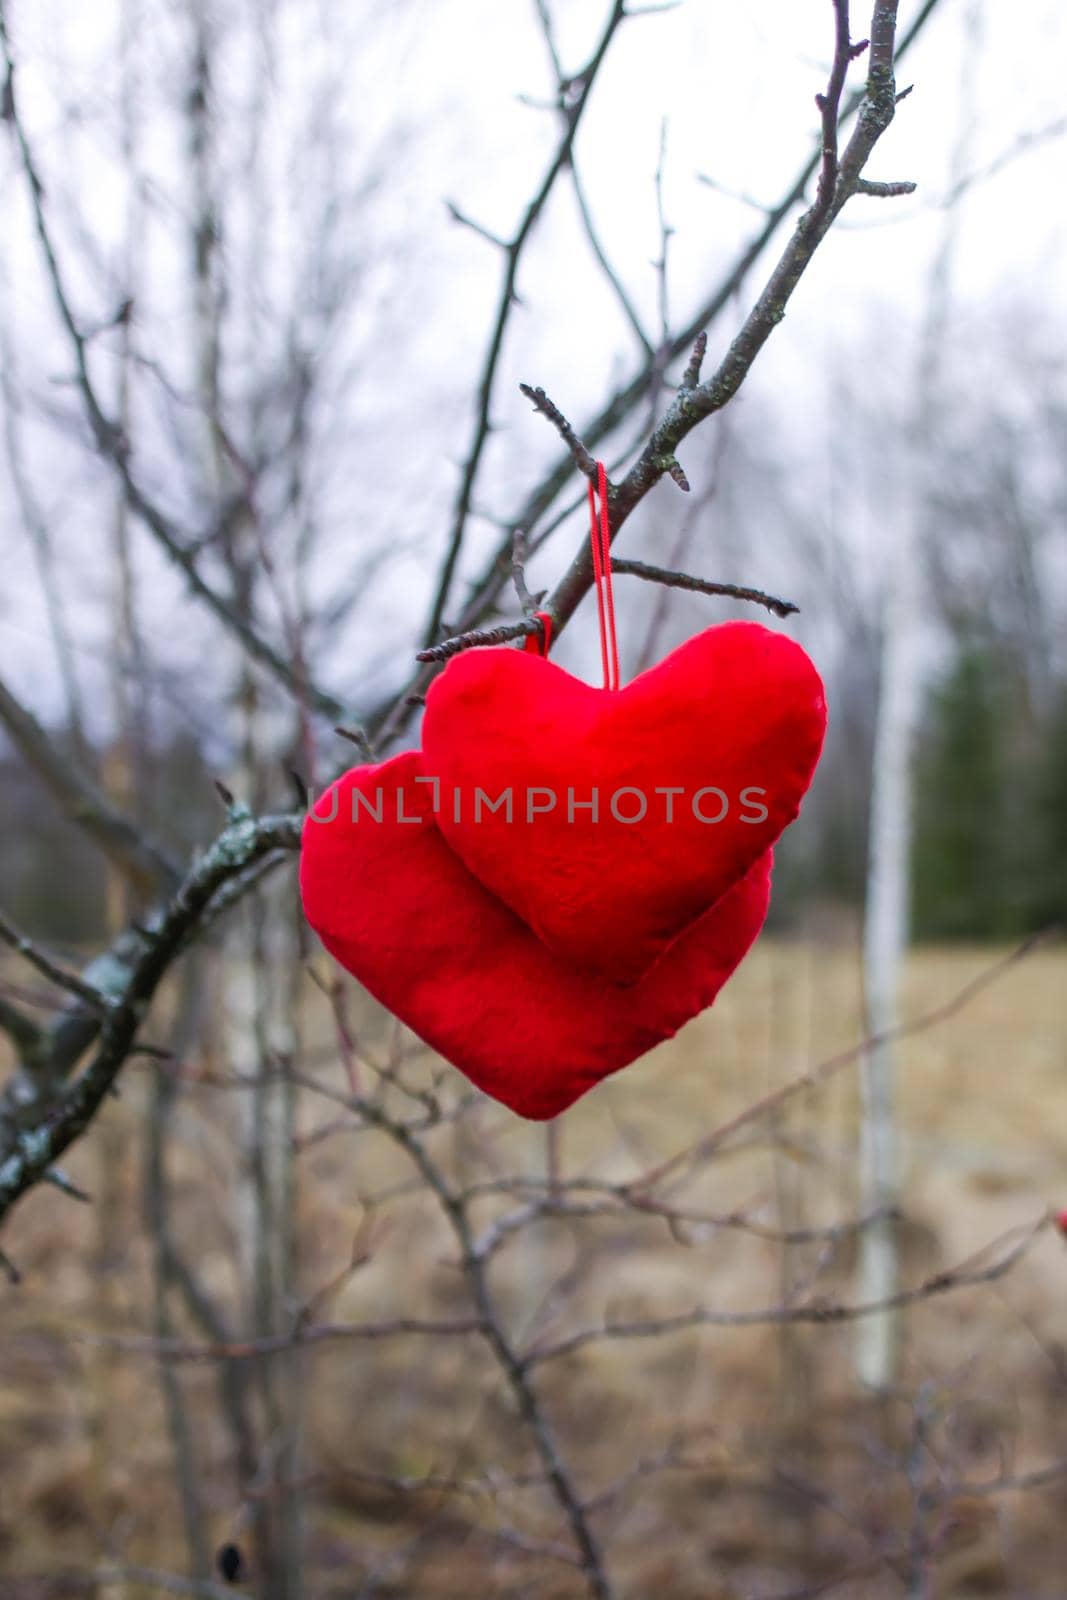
479 636
50 968
821 1313
829 105
584 80
691 375
476 227
31 1150
137 857
393 715
829 1067
548 408
529 602
23 1032
618 287
884 191
682 580
692 406
114 447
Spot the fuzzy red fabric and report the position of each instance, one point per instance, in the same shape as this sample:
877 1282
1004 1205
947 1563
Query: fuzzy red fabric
394 905
732 722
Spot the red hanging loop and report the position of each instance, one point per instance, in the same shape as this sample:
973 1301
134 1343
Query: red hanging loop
600 538
537 644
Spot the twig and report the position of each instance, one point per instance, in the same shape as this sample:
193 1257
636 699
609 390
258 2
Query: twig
562 83
831 1065
1025 142
666 232
478 636
115 448
392 716
33 1150
476 227
505 302
357 737
618 287
820 1313
884 191
829 105
59 1180
548 408
103 1579
126 846
682 580
694 405
691 375
190 1353
50 968
23 1032
518 572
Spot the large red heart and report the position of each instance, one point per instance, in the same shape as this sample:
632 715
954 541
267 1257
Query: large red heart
393 904
732 722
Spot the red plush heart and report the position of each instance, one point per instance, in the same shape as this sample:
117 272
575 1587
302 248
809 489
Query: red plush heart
733 722
393 904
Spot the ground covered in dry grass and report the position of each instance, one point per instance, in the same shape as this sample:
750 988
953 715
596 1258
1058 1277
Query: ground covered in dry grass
715 1462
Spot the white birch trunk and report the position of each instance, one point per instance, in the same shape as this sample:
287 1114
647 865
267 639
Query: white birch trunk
885 933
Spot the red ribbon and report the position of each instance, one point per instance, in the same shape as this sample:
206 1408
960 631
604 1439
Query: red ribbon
600 536
537 643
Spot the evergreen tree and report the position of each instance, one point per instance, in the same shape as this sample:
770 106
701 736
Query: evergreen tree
962 858
1047 834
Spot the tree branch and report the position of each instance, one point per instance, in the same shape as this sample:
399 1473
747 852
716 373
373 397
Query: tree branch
32 1148
114 447
50 968
821 1313
505 301
682 580
390 717
137 857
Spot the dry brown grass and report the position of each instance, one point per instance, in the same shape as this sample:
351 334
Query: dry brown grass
790 1475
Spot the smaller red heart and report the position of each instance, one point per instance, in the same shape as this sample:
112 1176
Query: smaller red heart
392 903
694 769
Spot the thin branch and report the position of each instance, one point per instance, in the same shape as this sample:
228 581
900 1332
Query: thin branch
1024 143
548 408
829 105
626 305
529 602
101 1580
114 447
691 375
479 636
23 1032
820 1313
126 846
884 191
831 1065
476 227
40 534
682 580
693 406
393 714
52 969
33 1149
191 1353
505 302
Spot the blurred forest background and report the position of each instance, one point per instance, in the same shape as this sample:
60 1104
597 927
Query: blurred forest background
270 275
